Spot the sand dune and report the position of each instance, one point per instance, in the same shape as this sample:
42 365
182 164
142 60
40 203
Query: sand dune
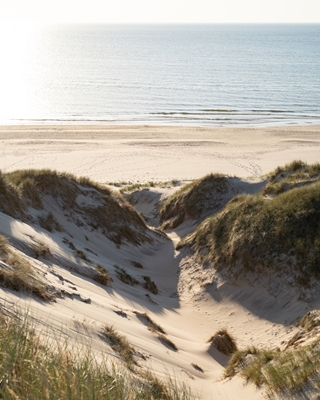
188 314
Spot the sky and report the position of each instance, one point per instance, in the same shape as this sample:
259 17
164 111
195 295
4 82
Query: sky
160 11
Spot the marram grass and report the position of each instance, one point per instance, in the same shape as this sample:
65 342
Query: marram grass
32 369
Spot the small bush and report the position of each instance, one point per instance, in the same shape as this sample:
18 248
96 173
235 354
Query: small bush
164 339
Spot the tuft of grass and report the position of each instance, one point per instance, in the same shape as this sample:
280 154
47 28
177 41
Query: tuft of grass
137 264
3 245
102 276
151 323
124 277
41 250
49 223
81 254
150 285
20 277
11 202
196 366
120 344
163 339
223 342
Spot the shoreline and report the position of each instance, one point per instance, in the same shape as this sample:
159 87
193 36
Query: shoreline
142 153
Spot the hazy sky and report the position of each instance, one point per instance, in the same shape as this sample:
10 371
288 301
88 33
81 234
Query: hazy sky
160 11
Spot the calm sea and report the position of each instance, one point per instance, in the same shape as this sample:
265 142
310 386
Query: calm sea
163 74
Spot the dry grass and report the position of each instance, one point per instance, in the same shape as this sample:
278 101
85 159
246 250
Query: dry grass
31 368
150 322
20 277
119 344
41 250
163 339
102 276
11 202
105 210
137 264
196 367
49 223
223 342
288 372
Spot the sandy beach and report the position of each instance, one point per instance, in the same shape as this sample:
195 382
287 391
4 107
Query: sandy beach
155 153
188 312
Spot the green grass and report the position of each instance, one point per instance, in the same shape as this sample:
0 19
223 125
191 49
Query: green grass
253 233
285 372
191 200
31 368
294 174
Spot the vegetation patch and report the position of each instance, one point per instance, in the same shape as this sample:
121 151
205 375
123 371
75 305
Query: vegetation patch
253 233
224 342
163 339
124 277
120 344
137 264
150 285
102 275
310 320
150 322
192 200
292 175
19 276
49 223
31 368
287 372
41 250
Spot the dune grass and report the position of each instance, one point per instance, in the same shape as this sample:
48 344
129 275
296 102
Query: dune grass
150 322
31 368
286 372
224 342
191 200
124 277
19 275
120 344
150 285
254 233
295 174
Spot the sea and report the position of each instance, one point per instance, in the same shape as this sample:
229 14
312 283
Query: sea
205 75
